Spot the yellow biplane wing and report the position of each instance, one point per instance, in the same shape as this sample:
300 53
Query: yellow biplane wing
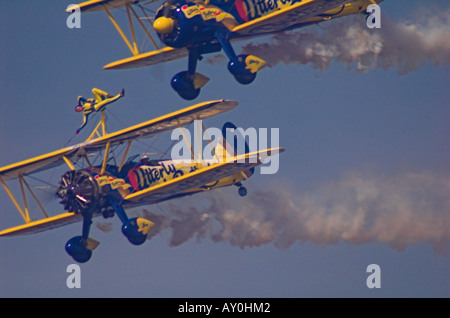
287 17
150 58
45 224
198 178
98 5
39 163
162 124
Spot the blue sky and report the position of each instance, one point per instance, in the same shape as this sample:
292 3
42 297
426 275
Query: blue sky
348 135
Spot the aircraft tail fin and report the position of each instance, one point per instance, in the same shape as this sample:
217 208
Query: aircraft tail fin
230 148
200 80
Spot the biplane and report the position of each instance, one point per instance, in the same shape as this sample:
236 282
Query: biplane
119 182
192 28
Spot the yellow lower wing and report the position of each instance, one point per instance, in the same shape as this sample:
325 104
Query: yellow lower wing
150 58
43 225
198 178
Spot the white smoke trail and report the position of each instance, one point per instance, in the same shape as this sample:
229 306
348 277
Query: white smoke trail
405 46
359 208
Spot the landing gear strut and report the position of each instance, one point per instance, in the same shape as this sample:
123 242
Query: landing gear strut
243 67
242 190
135 229
188 83
81 247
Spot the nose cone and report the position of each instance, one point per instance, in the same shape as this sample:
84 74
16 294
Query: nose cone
163 25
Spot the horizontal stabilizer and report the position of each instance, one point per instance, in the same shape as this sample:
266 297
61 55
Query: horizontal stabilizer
200 80
144 225
92 244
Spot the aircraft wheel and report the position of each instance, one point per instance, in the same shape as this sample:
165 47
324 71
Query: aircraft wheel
183 84
131 230
241 73
76 247
189 94
242 191
245 79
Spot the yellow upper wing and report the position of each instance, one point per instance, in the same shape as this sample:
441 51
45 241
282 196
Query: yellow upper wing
144 130
288 17
162 124
97 5
39 163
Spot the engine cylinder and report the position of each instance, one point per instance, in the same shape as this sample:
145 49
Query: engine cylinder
79 192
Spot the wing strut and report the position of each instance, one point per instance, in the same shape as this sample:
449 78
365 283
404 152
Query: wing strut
69 163
118 28
142 25
186 139
13 199
125 155
199 143
34 196
105 159
24 198
25 211
210 143
133 35
132 45
102 123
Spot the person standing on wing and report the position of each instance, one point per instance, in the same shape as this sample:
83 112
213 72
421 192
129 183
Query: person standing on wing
98 103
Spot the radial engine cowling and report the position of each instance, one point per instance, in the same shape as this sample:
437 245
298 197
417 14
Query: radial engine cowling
167 26
80 192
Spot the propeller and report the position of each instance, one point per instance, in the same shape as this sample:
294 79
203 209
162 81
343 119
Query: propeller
168 8
78 191
165 24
